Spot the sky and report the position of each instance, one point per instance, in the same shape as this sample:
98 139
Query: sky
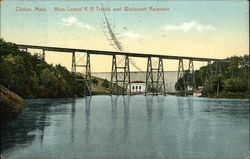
212 29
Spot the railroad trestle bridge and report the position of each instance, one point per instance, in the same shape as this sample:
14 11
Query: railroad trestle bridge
121 66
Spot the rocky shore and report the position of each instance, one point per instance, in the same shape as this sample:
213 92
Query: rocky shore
10 104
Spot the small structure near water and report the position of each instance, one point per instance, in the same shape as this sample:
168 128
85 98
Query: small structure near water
198 92
138 86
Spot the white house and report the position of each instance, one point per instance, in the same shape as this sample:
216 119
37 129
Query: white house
198 92
138 86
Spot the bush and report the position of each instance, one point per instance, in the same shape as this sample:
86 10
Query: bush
236 84
95 82
105 84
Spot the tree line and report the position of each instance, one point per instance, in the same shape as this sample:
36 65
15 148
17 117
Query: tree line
31 77
228 78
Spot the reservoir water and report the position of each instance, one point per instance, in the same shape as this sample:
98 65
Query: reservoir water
129 127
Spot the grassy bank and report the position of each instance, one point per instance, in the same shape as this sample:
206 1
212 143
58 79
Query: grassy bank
100 89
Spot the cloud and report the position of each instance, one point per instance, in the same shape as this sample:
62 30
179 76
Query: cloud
131 34
187 26
70 21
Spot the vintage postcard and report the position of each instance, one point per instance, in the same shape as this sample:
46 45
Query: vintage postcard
124 79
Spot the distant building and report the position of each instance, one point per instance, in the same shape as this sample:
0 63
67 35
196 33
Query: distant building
138 86
198 92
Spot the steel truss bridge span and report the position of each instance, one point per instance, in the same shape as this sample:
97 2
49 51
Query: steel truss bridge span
153 84
130 54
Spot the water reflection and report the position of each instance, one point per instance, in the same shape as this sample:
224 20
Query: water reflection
73 110
190 106
113 107
180 103
113 117
202 138
208 107
87 118
149 106
41 124
30 124
225 107
149 130
126 103
129 127
160 107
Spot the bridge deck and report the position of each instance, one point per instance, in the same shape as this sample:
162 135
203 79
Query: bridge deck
130 54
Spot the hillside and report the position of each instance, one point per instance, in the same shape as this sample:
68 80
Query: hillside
99 89
30 76
228 79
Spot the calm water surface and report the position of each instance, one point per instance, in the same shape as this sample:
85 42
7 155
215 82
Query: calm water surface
129 127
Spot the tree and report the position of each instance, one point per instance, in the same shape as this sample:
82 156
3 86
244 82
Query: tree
31 77
184 81
95 82
14 75
233 65
105 84
215 84
236 84
8 48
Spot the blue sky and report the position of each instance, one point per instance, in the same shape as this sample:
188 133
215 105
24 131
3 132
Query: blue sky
190 28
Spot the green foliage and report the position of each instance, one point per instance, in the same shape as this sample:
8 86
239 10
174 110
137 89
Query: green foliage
236 84
180 85
215 85
95 82
9 49
105 84
13 72
234 63
186 81
233 79
31 77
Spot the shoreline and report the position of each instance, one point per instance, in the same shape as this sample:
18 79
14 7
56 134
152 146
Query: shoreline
11 105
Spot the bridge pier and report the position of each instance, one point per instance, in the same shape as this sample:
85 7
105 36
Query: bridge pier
88 75
43 56
160 78
191 75
180 74
218 68
73 63
190 78
155 85
87 79
122 77
209 72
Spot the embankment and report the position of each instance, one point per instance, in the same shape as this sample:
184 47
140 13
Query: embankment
10 104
